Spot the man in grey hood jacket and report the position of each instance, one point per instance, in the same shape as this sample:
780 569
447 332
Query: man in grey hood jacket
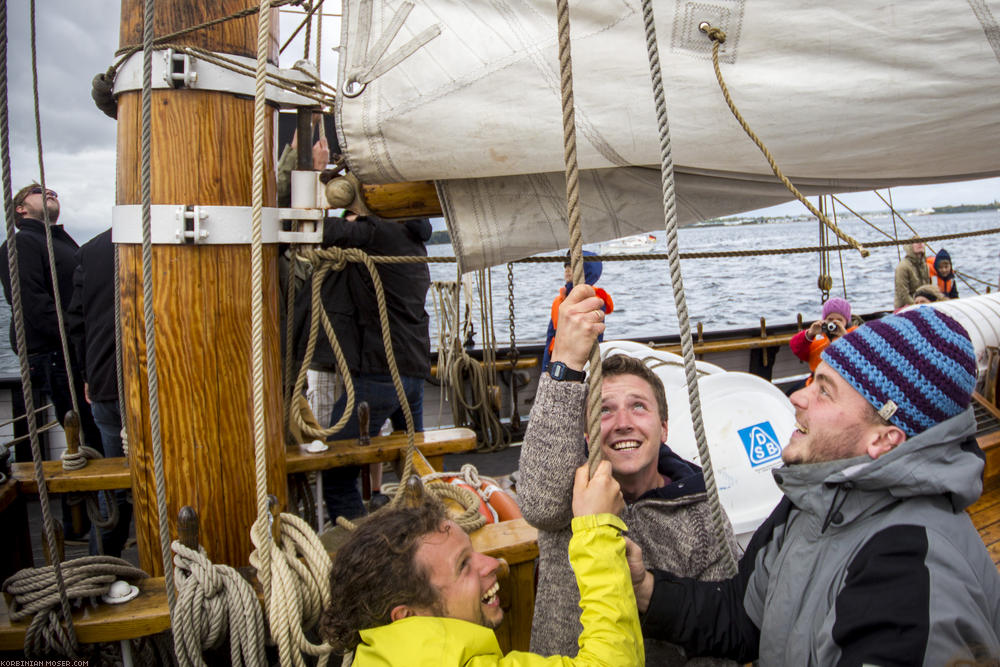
869 558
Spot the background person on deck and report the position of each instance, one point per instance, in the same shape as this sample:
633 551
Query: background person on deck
409 589
666 508
809 343
941 274
41 324
927 294
591 274
91 323
911 273
349 299
869 558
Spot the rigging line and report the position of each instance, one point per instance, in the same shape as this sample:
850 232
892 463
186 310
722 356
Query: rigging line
308 35
863 219
894 230
119 361
910 227
718 37
127 51
573 216
978 280
719 520
70 639
149 318
18 418
47 223
305 23
840 254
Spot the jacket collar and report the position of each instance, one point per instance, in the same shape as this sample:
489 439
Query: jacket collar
942 461
426 640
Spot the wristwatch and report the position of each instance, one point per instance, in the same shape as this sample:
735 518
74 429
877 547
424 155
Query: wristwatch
559 371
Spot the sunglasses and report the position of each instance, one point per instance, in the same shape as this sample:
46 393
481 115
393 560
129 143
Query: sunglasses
38 191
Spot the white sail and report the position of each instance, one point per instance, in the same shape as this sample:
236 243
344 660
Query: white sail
849 95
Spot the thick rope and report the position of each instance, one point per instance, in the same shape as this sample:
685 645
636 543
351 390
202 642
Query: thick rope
119 360
639 257
298 562
214 602
69 642
275 602
149 317
718 37
573 215
38 591
687 345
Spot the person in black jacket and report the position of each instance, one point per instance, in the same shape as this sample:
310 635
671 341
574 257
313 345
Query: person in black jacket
47 366
91 322
41 325
349 299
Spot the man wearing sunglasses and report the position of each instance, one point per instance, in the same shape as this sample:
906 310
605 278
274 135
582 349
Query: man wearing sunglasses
32 211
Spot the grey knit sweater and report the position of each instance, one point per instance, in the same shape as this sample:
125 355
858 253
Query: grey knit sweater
674 529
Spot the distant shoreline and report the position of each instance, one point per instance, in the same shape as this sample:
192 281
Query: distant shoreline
443 237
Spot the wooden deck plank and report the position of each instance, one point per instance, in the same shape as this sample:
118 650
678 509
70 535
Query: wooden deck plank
382 448
523 363
985 515
145 615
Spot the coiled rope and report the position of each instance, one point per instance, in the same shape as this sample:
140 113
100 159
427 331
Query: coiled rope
687 344
40 591
573 215
214 602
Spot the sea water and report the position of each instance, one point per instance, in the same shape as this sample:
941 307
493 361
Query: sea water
724 293
729 293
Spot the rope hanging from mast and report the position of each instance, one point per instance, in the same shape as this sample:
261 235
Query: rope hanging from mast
575 233
687 344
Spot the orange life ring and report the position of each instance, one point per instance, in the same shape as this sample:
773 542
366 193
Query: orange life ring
505 506
484 508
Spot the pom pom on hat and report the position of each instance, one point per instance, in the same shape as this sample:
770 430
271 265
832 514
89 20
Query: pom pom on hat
837 305
919 360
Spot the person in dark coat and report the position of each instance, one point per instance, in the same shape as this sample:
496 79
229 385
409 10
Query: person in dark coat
47 366
349 299
91 319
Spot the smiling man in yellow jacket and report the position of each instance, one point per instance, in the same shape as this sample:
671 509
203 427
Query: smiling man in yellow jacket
409 589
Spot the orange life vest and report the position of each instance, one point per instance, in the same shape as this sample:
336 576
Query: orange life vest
609 307
943 285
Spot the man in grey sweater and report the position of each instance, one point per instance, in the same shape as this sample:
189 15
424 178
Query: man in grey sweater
666 510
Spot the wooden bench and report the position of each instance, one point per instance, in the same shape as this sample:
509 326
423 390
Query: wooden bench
433 444
113 473
97 475
146 615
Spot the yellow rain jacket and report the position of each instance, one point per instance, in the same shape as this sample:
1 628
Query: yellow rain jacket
611 633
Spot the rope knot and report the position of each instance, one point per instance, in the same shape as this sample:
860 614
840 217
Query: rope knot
714 34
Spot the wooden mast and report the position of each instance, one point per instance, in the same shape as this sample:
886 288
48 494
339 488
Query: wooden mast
201 155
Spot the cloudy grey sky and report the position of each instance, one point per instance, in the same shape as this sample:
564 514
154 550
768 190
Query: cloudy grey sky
77 39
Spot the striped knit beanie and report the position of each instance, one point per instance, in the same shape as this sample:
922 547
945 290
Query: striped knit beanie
917 368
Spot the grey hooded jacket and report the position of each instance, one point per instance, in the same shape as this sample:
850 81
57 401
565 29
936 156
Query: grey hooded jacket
863 562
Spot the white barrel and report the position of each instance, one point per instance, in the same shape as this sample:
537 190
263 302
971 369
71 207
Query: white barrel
669 367
747 423
980 315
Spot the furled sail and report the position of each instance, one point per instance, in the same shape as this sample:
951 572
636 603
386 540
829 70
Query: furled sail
847 96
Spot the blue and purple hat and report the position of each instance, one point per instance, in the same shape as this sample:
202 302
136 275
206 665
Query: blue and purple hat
917 368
